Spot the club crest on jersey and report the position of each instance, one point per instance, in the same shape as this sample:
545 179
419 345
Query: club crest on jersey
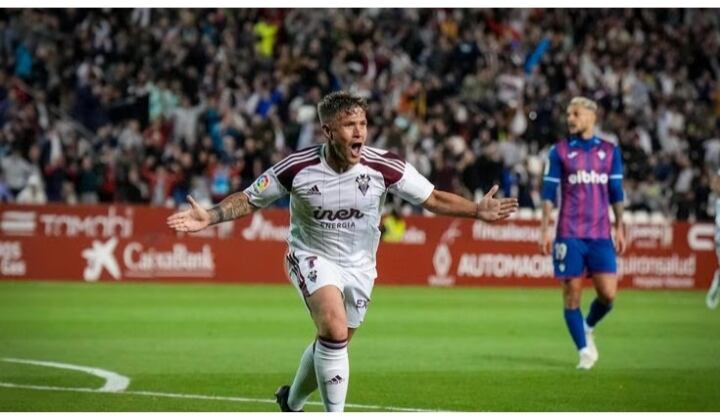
261 184
363 182
601 155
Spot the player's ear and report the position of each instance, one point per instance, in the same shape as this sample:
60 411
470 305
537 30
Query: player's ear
326 131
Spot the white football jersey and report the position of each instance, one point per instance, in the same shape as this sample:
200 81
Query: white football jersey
337 215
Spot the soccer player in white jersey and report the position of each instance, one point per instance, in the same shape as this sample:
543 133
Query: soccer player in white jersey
713 295
337 191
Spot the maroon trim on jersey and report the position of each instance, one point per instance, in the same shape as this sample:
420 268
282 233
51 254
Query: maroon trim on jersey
385 154
288 168
390 174
287 176
386 158
302 154
390 165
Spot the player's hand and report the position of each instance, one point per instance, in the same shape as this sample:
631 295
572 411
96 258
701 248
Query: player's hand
495 209
194 219
620 244
545 243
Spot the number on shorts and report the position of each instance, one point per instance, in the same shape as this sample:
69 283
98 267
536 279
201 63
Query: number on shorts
560 251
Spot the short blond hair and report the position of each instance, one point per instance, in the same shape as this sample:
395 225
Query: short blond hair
584 102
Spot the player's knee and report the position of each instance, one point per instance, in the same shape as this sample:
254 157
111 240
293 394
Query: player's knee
571 299
607 296
335 332
572 302
333 325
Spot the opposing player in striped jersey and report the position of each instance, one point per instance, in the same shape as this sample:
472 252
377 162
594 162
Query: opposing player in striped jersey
713 296
336 192
589 172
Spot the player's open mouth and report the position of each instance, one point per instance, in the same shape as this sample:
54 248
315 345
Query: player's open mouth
356 149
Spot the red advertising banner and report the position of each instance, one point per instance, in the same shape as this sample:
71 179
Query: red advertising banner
132 243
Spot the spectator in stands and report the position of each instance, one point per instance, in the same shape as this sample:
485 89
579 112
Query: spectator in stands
5 194
88 182
69 196
393 226
156 78
33 193
133 190
161 182
17 170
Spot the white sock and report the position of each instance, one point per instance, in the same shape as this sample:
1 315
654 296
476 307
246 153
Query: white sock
305 382
332 369
584 350
716 281
587 327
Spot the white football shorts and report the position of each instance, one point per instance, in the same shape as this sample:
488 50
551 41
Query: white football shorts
309 272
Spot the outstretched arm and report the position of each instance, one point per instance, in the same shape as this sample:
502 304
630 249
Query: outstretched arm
198 218
232 207
488 209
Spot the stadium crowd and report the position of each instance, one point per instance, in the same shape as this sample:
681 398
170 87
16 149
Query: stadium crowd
146 105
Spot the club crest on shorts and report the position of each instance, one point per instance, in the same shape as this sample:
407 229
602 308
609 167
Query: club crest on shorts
363 182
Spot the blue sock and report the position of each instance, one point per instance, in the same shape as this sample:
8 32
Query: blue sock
574 321
597 311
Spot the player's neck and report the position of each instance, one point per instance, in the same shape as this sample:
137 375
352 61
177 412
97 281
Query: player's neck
335 161
587 134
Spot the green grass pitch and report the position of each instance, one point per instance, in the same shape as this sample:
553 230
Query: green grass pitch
420 348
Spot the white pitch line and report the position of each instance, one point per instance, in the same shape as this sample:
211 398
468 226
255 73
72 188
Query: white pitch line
114 382
204 397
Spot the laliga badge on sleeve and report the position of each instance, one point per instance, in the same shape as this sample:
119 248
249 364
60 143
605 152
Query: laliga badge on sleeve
261 184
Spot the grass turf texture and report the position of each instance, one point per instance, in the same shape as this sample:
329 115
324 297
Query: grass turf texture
428 348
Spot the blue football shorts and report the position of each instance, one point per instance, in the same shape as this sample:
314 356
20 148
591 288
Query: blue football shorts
576 257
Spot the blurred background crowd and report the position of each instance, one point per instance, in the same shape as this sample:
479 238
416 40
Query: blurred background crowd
148 105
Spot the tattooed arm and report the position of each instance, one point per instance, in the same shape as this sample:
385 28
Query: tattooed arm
234 206
198 218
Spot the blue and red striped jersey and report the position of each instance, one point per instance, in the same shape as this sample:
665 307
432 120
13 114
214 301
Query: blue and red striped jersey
589 173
